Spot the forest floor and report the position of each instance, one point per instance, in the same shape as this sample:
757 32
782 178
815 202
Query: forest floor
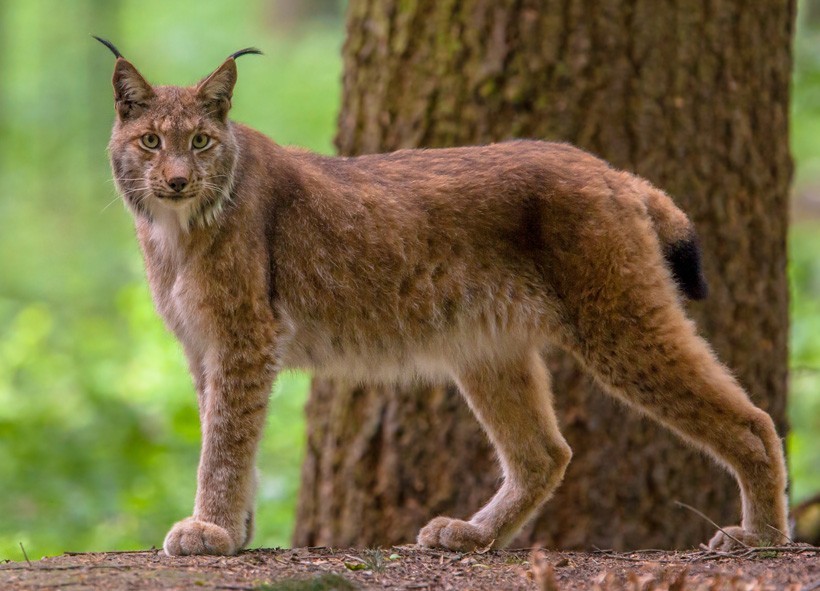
413 568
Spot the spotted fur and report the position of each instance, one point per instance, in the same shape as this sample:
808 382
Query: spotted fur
459 264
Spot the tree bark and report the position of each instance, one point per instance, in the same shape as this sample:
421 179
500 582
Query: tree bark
691 95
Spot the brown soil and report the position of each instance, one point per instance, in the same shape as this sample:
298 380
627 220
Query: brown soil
411 568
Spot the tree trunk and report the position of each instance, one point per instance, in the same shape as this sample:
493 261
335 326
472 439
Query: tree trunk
691 95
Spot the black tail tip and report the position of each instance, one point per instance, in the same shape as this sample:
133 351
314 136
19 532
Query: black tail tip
685 259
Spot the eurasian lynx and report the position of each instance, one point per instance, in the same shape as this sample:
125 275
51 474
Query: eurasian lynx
460 264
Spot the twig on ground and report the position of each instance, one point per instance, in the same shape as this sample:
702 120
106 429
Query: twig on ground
780 532
709 553
704 516
706 553
79 567
598 550
25 555
625 556
151 551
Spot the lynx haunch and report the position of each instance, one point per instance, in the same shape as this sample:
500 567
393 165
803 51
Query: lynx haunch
459 264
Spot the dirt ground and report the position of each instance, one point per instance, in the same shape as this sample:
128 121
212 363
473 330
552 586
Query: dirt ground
412 568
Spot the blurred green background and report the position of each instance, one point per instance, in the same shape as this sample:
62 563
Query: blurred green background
99 434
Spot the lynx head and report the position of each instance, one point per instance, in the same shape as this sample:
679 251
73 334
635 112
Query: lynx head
172 149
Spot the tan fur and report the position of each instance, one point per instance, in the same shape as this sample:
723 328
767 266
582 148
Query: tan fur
459 264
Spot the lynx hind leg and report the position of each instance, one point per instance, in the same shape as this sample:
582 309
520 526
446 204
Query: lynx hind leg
646 351
514 405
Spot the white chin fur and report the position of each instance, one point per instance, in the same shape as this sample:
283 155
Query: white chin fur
176 213
183 214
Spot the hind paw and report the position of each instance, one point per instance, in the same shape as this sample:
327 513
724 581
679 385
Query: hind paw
735 537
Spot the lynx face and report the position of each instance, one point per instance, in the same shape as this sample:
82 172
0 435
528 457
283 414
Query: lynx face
172 150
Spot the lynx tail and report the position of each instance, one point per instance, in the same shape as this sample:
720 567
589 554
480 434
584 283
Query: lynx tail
684 258
681 247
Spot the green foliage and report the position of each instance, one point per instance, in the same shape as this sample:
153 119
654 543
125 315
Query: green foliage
99 436
803 442
805 128
804 402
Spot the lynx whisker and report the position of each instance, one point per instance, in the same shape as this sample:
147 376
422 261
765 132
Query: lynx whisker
110 203
130 190
134 195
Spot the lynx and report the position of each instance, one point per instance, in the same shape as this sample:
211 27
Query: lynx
458 264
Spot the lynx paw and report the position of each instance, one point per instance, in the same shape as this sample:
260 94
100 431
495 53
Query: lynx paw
454 534
723 542
190 536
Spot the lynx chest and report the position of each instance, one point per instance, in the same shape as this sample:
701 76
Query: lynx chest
181 292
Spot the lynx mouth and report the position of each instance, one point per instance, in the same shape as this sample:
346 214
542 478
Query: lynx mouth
174 197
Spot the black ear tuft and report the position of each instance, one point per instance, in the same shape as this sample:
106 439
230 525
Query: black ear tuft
109 45
246 51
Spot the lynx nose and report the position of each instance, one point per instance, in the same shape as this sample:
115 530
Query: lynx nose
178 183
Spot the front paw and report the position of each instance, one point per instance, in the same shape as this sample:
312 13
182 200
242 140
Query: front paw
190 536
454 534
735 537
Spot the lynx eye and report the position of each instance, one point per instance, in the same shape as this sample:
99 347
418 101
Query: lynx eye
150 141
200 141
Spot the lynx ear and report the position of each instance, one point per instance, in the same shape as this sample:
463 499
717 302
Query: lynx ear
216 90
131 91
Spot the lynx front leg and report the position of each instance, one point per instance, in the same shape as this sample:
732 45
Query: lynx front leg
233 414
514 405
